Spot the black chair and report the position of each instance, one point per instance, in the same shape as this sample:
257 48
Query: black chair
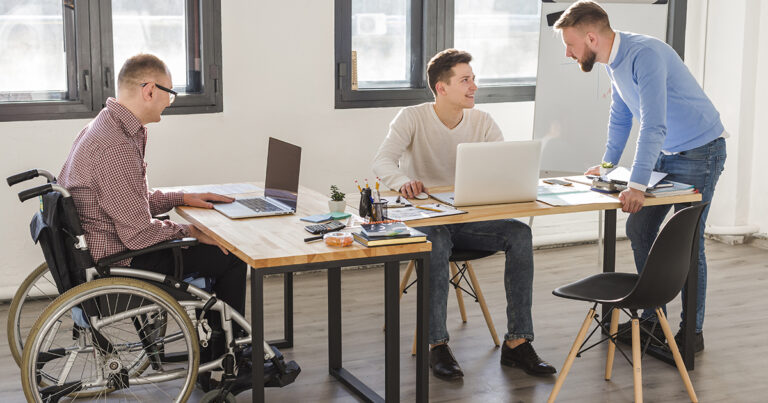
660 281
463 280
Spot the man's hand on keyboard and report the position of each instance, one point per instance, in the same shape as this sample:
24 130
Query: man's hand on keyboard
203 199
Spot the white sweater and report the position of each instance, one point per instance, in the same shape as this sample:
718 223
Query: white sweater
420 147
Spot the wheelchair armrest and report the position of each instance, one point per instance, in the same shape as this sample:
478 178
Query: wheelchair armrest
174 243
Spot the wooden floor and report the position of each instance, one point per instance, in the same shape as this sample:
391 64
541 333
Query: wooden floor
733 367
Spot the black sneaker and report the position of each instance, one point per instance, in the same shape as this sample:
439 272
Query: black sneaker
625 332
525 358
698 341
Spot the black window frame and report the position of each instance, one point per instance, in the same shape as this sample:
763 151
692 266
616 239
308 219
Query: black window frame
432 30
88 32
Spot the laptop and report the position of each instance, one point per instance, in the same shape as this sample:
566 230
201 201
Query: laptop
494 173
281 187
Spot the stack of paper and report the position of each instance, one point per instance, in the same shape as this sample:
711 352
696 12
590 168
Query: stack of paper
675 189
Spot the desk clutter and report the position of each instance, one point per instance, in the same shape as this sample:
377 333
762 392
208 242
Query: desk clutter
388 233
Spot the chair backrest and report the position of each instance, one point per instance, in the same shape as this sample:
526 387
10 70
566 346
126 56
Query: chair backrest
56 228
669 261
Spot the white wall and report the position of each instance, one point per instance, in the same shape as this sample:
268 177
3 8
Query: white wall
278 81
278 64
727 47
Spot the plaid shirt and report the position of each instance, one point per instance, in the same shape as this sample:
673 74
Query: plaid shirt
106 175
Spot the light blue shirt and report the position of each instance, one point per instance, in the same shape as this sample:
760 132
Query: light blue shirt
650 82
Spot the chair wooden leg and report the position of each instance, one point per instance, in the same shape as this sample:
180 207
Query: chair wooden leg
571 355
676 354
459 296
612 343
483 305
636 358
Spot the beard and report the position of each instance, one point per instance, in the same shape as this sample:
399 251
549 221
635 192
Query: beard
589 61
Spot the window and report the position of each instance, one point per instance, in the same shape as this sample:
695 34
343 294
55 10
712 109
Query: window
382 48
60 58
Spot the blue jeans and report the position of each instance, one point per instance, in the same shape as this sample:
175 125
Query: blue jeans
510 236
700 167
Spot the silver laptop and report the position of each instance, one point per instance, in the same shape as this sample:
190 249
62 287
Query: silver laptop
281 187
494 173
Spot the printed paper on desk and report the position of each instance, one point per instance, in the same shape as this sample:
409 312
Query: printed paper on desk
222 189
415 213
571 199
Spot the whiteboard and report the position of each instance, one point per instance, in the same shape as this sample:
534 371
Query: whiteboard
571 108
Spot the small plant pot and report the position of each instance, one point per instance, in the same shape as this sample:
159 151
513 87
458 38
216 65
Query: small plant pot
337 206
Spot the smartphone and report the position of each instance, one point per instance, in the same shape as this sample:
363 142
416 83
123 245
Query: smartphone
558 182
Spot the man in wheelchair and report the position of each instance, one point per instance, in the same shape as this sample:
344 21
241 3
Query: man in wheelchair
105 175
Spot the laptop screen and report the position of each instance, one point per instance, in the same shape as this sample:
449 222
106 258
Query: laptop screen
282 180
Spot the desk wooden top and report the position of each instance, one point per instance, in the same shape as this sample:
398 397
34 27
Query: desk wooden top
518 210
279 240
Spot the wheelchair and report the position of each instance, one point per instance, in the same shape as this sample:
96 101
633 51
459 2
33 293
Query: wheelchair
121 333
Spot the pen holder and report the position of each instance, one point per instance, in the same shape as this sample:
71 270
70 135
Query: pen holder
379 210
365 203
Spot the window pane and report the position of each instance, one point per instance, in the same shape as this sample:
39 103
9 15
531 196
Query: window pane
503 37
33 58
159 28
381 38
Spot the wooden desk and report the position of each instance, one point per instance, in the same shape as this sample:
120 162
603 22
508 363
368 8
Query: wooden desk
276 245
537 208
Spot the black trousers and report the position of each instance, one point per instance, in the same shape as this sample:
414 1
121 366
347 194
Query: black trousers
227 271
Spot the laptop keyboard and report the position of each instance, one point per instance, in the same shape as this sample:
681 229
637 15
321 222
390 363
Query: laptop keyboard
260 205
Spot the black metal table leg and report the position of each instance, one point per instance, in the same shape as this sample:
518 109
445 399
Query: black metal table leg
609 252
392 333
691 291
334 319
422 328
257 334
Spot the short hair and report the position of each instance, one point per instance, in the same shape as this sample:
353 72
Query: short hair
439 67
137 67
583 12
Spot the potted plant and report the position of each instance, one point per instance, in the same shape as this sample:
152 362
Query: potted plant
336 204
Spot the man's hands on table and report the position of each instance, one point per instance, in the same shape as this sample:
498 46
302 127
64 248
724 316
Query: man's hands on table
631 199
204 199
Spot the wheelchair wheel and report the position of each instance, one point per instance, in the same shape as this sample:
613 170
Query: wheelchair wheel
117 336
37 291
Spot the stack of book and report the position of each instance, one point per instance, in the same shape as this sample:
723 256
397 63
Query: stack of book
388 233
670 188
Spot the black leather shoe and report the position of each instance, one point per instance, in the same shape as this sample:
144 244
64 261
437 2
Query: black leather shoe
444 365
698 341
525 358
625 333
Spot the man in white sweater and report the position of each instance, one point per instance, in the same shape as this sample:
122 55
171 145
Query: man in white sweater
420 152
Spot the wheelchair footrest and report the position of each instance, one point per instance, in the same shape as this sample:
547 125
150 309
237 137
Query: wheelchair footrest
54 393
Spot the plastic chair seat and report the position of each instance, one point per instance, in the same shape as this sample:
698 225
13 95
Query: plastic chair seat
464 255
605 288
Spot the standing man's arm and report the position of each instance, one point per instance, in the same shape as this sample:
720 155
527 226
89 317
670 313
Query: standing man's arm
650 74
386 163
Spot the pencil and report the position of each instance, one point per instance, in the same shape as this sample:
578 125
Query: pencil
429 208
358 186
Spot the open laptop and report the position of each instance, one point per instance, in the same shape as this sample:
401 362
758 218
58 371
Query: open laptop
494 173
281 186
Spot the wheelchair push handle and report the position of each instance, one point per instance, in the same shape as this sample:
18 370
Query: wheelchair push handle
41 190
32 173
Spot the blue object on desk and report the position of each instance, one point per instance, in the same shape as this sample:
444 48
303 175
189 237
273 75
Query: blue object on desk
339 216
319 218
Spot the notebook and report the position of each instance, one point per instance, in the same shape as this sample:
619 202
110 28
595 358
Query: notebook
494 173
281 187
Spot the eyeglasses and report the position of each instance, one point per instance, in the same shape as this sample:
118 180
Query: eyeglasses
171 93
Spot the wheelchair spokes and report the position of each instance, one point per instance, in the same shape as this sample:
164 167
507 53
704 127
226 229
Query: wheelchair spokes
134 340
